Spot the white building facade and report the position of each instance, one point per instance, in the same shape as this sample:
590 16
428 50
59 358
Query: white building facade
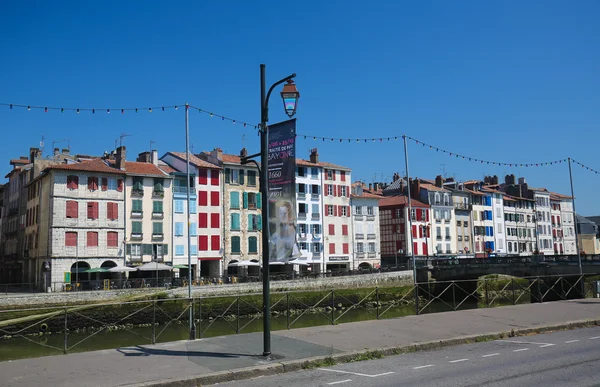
544 222
309 204
365 225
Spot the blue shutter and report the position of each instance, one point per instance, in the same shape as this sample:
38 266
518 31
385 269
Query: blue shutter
245 199
235 221
179 206
250 217
234 198
193 229
179 229
491 231
258 201
179 250
492 246
193 206
193 250
259 222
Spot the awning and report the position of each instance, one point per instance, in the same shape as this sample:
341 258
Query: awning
121 269
209 258
154 266
97 270
180 267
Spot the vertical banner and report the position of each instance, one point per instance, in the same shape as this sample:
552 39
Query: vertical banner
282 191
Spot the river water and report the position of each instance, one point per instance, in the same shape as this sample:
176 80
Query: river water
53 344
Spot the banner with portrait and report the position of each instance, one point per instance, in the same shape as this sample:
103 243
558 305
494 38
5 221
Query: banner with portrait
281 171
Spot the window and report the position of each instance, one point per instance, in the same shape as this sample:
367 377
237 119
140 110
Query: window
316 229
498 213
112 184
329 190
343 211
215 221
179 250
104 184
235 222
214 198
178 206
301 171
254 222
112 211
72 209
72 182
193 209
135 250
138 186
344 229
398 213
136 227
458 223
314 189
235 245
70 239
370 211
157 207
92 239
343 190
360 247
252 178
252 245
178 228
314 173
203 242
214 177
193 250
345 248
329 210
203 198
332 248
136 206
202 176
316 248
215 242
330 175
92 183
234 200
112 239
193 229
92 210
357 210
159 187
371 247
157 228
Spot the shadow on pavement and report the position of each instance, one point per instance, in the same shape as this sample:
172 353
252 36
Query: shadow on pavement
142 351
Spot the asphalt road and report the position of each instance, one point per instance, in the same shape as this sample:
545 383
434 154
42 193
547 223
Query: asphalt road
570 358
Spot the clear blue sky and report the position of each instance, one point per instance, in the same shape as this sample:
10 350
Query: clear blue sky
512 81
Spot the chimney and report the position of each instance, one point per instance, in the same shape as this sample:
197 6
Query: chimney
522 181
66 151
495 180
439 181
217 154
143 157
370 186
56 151
375 186
244 152
396 177
34 153
121 157
154 157
314 158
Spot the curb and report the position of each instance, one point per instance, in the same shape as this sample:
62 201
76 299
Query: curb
360 355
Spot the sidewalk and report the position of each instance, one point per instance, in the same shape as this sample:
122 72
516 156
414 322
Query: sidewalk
186 363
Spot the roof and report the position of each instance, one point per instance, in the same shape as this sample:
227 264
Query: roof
472 192
94 165
19 161
167 168
322 164
137 168
194 160
507 198
431 187
558 196
400 200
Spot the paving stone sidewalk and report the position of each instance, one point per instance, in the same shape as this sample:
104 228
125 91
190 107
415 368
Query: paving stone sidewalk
150 364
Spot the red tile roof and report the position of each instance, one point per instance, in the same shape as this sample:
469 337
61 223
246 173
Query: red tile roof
431 187
400 201
322 164
19 161
137 168
167 168
559 196
95 165
472 192
194 160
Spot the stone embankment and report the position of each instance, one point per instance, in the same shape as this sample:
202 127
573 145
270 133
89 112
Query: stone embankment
398 278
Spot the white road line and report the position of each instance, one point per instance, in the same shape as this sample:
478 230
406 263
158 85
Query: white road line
340 382
594 338
458 361
521 350
571 341
490 355
356 373
523 342
546 345
423 366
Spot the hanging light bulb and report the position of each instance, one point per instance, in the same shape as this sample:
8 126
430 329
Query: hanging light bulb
122 111
176 107
234 122
93 111
136 110
211 115
62 110
11 106
45 110
163 108
107 111
28 107
77 111
149 110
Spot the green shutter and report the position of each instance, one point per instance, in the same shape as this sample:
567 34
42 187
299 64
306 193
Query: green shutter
136 205
165 249
259 222
235 221
241 177
157 206
136 227
250 222
258 201
146 249
227 175
252 245
157 228
235 244
128 249
234 198
245 199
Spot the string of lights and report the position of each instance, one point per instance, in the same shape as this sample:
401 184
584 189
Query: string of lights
585 167
224 118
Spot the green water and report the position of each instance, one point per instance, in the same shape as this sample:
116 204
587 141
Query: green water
54 344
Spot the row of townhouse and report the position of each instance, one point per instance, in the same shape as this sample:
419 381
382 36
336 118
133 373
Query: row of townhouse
475 218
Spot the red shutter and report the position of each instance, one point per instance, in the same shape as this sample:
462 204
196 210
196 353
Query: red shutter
339 187
203 220
202 198
96 209
415 248
104 184
109 211
215 220
331 229
419 215
348 191
420 232
426 215
90 210
70 239
215 243
344 229
214 177
414 231
203 243
202 176
91 183
348 211
120 185
425 252
333 173
340 210
343 176
112 239
332 248
214 198
334 210
345 248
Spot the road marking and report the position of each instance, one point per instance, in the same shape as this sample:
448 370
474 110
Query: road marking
356 373
340 382
594 338
458 361
490 355
524 342
571 341
546 345
423 366
521 350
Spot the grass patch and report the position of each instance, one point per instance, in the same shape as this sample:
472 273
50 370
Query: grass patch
327 362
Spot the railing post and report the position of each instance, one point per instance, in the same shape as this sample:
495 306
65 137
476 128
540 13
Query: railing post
332 307
540 290
453 295
154 322
200 316
287 296
512 285
377 301
237 329
487 295
562 288
66 333
416 291
193 322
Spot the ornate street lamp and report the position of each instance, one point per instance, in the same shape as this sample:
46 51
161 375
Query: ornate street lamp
290 96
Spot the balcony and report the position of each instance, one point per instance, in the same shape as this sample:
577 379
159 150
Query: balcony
252 206
439 237
301 195
137 235
359 217
446 220
371 236
158 194
158 215
157 236
371 255
315 216
137 192
302 215
135 258
137 214
316 256
360 255
315 196
183 190
302 236
316 237
463 206
438 221
447 237
359 236
371 217
159 259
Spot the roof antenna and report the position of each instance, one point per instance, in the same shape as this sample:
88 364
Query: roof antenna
121 137
152 142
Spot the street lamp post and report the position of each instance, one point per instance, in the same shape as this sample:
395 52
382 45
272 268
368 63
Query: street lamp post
290 97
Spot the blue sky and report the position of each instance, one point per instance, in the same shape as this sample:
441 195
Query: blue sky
510 81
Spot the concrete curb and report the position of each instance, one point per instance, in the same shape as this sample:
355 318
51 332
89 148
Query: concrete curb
366 354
